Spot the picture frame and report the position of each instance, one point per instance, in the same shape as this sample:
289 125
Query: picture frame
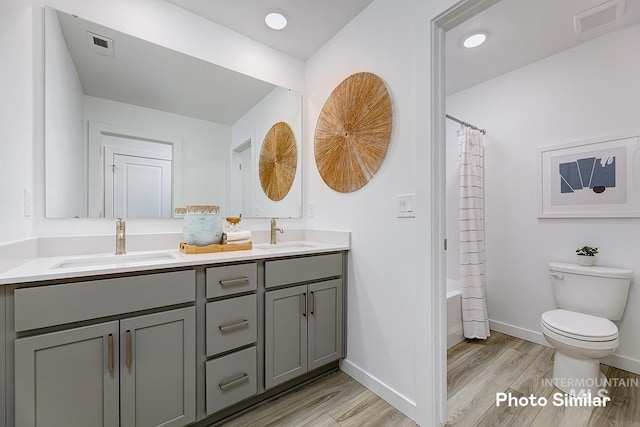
596 178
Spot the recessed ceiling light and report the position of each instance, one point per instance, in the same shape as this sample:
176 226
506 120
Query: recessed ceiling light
474 40
275 20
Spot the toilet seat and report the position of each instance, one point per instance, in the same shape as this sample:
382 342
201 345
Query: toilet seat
579 326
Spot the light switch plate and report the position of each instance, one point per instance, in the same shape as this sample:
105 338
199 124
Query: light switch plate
28 211
405 206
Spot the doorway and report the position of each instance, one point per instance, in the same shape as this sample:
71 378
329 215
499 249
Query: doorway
137 181
241 194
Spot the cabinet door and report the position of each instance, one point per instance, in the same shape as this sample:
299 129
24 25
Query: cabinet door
157 374
68 378
285 334
324 322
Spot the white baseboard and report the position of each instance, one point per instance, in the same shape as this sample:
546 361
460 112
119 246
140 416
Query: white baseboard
518 332
391 396
617 361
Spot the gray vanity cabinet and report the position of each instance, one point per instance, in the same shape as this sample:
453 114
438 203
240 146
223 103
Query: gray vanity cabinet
303 323
129 371
231 335
285 335
157 369
134 372
68 378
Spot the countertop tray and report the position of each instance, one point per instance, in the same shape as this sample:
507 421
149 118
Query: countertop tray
191 249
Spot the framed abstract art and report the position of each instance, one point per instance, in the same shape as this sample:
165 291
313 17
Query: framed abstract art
597 178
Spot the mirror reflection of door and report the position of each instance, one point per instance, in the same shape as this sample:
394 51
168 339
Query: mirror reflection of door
241 180
137 181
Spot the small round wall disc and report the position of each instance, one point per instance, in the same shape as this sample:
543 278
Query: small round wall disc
278 161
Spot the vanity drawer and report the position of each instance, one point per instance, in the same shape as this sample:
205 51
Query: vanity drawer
296 270
230 379
43 306
231 323
231 279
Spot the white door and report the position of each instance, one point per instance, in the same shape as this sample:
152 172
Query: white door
241 194
247 190
139 187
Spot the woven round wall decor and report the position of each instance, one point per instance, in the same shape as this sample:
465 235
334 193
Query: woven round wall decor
353 132
278 161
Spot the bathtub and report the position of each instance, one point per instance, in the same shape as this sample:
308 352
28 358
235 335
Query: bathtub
454 313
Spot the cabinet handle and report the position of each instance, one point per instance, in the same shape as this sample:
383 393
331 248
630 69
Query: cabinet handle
235 382
234 282
232 326
312 296
128 349
110 353
304 304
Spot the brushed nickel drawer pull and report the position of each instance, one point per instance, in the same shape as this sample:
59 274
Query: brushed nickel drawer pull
304 304
235 382
110 353
129 349
232 326
235 282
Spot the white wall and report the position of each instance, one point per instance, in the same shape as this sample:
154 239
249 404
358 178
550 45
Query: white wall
205 145
586 92
16 118
389 325
280 105
65 151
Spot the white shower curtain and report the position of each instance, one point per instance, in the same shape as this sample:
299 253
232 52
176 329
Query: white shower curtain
472 269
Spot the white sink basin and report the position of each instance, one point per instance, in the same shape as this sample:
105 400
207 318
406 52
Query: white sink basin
284 247
105 260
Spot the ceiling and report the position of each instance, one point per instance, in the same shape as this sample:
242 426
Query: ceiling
520 32
211 92
311 22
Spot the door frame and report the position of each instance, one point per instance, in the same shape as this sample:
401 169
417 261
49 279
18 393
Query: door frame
94 170
444 22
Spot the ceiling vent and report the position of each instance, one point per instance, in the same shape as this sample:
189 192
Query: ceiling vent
600 15
100 44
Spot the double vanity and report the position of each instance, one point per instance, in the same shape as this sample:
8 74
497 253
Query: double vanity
163 338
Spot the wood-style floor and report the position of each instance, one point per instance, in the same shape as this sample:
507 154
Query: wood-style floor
333 400
477 370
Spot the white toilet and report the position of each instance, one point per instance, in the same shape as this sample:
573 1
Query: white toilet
581 330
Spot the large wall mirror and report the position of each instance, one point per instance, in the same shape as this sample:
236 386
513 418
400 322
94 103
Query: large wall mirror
135 130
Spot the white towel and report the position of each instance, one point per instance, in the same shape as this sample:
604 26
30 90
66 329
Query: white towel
238 235
239 242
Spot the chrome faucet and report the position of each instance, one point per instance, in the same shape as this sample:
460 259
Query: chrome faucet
273 231
121 236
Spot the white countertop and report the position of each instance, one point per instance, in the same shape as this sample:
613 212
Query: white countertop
44 268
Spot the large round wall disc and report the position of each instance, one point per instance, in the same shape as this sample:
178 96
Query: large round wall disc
278 161
353 132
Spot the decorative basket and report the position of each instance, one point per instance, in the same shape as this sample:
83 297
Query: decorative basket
202 225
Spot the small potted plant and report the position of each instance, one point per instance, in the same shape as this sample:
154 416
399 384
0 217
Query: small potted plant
586 256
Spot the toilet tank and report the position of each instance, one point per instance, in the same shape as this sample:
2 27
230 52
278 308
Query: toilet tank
599 291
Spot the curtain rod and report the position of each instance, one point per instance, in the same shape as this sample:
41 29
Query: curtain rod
463 123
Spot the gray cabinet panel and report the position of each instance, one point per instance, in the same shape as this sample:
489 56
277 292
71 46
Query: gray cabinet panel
231 323
285 335
43 306
231 279
297 270
68 378
157 356
324 323
231 378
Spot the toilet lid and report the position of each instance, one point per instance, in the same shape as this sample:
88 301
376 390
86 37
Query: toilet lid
579 325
